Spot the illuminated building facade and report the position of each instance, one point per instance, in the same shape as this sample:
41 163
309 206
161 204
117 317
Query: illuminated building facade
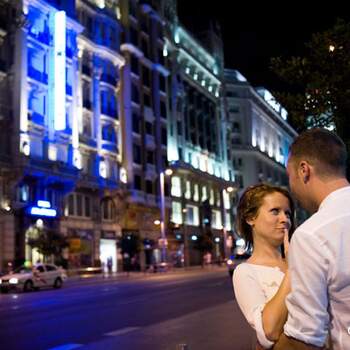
197 153
98 98
259 134
145 90
63 69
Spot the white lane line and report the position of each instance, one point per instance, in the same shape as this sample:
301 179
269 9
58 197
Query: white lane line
121 331
66 347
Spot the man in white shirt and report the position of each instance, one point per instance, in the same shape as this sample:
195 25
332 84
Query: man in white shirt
319 254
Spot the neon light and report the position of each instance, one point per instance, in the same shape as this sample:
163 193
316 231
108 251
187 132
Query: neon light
42 212
60 70
44 204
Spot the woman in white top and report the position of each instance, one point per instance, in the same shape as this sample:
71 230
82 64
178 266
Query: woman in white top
265 219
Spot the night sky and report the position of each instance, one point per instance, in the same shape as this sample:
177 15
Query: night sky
256 31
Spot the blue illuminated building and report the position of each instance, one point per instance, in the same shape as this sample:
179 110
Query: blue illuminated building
97 99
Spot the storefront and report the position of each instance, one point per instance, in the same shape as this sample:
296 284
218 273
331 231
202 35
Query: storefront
109 251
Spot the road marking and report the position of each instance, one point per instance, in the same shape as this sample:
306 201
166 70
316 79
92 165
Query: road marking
66 347
121 331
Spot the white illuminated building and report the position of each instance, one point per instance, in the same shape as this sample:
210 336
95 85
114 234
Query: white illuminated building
197 141
259 134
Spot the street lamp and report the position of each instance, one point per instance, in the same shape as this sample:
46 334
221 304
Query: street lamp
186 247
230 190
162 174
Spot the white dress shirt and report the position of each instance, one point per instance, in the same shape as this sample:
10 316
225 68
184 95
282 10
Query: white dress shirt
254 286
319 264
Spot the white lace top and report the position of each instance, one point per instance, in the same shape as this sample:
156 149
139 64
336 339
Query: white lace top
254 286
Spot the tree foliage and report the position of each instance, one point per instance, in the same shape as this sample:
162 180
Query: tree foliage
319 81
48 242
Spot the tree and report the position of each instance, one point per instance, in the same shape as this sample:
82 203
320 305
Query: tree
319 82
48 242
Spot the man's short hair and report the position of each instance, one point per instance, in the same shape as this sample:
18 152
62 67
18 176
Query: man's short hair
321 148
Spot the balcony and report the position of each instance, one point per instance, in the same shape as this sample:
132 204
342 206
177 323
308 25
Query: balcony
37 75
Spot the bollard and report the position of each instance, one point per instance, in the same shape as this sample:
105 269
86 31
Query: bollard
182 347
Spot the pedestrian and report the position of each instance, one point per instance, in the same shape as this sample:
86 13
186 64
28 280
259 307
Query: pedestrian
265 218
319 255
110 264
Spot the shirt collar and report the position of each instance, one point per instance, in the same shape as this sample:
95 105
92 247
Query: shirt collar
333 195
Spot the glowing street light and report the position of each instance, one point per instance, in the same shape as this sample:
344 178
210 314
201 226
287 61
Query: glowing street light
167 172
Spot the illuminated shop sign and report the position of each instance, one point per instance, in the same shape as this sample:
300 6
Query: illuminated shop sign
43 208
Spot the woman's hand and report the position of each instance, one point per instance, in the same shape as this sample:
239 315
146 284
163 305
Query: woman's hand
286 244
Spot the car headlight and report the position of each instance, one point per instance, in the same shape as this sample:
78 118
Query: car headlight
0 281
229 262
13 280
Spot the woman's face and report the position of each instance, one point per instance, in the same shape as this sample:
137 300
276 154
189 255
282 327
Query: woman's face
274 217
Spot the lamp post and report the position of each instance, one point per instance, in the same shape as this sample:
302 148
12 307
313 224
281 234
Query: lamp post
162 212
186 245
228 190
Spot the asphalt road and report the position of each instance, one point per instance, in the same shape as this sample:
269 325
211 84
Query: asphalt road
153 312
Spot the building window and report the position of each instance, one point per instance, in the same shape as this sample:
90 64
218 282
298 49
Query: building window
164 136
137 182
204 193
212 197
146 76
149 186
144 46
236 127
163 113
176 186
135 123
135 96
149 128
147 99
71 205
176 213
134 62
216 219
162 82
137 154
192 215
79 205
150 157
196 193
87 206
188 190
228 225
107 209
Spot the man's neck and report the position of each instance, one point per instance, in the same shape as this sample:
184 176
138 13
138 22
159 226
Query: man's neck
323 188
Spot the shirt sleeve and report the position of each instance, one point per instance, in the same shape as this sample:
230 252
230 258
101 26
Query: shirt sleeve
307 302
251 300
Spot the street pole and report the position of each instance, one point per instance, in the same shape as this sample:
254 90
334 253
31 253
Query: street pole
186 245
162 217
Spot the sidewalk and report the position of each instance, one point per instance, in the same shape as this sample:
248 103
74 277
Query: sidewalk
141 274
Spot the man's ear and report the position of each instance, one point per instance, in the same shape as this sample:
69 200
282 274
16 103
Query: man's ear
304 171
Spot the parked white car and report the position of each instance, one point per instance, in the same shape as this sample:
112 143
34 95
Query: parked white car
29 278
